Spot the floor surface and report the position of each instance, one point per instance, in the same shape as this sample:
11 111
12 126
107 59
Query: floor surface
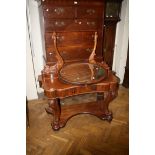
83 134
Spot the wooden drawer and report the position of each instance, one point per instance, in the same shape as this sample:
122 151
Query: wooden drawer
72 2
73 53
72 25
57 2
71 39
90 12
58 12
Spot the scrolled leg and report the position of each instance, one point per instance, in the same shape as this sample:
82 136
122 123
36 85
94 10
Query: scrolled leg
107 117
104 100
55 109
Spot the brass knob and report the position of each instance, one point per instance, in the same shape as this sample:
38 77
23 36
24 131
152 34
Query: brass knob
91 23
75 2
90 11
59 24
58 10
60 38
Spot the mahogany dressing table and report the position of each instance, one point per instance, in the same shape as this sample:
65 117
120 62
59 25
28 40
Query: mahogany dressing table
74 59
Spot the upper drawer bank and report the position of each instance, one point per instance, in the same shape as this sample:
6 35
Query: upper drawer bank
72 39
55 12
59 12
72 25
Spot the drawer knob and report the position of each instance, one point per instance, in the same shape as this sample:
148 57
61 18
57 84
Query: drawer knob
50 53
60 38
75 2
80 23
91 23
90 11
59 24
58 11
47 10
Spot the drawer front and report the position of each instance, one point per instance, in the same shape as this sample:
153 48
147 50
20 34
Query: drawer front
72 25
58 12
72 2
58 2
71 39
90 12
73 53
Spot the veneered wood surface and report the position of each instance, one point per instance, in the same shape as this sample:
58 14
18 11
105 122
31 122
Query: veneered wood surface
57 88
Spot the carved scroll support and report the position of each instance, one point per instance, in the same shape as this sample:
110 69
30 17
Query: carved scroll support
60 61
104 100
91 58
52 71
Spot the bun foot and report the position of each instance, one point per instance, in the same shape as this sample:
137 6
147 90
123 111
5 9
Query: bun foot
55 127
107 117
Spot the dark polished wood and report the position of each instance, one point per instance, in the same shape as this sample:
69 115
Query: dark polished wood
56 89
109 42
82 17
126 75
112 17
74 32
27 114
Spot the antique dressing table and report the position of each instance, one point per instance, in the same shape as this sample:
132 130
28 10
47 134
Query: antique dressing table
73 32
